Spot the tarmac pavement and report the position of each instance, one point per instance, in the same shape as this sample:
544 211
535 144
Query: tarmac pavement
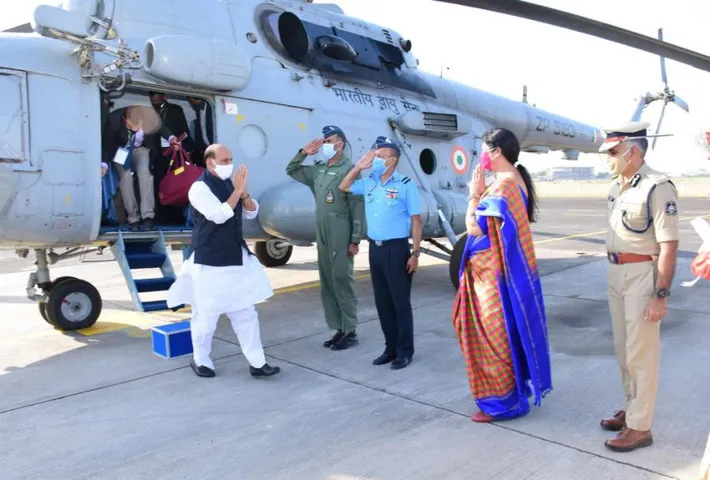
100 404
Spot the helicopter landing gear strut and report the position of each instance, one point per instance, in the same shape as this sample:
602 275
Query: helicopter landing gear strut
451 255
273 253
66 303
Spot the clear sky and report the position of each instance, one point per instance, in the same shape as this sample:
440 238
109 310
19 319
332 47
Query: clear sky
582 77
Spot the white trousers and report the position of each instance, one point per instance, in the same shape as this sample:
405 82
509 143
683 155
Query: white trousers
245 324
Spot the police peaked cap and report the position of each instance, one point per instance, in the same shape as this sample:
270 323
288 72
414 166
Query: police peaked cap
386 142
623 132
331 130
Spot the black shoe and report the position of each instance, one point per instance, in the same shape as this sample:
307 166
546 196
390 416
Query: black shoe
201 371
345 342
265 371
400 363
329 343
135 226
383 359
149 224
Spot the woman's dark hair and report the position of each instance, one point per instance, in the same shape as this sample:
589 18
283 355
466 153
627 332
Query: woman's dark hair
510 148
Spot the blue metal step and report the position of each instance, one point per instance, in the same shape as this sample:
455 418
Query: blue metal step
155 306
154 284
142 253
139 246
138 261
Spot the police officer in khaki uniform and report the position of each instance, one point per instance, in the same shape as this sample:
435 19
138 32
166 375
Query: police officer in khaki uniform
642 245
339 228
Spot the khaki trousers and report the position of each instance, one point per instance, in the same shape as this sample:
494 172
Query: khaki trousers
140 163
637 341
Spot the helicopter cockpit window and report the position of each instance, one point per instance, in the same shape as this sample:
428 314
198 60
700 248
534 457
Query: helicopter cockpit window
338 52
289 27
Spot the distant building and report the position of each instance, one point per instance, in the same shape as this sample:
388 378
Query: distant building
572 173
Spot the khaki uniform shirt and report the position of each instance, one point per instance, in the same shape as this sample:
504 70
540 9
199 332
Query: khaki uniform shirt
642 213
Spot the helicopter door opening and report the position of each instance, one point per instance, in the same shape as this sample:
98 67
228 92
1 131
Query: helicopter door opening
179 114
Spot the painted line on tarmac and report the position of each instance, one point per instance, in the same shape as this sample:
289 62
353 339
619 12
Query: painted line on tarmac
600 232
138 324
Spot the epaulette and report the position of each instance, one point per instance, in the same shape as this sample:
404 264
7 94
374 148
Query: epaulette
661 178
406 180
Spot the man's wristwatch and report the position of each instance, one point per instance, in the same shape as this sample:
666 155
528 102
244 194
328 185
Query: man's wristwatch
415 253
663 292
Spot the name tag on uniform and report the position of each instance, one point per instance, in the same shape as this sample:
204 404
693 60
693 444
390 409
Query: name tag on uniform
121 156
329 197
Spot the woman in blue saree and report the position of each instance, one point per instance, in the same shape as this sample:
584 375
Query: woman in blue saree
499 312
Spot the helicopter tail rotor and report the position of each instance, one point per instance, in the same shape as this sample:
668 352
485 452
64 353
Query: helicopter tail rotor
667 95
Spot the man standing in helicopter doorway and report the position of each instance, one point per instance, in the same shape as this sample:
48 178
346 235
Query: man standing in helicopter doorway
339 227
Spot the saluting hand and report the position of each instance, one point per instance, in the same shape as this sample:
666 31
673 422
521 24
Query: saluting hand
366 161
239 178
313 146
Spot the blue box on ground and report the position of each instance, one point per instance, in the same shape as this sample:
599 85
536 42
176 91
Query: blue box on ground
172 340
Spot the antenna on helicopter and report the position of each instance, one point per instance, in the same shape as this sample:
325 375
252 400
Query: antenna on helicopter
441 71
525 94
667 95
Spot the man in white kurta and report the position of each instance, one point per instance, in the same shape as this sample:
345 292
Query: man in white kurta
221 275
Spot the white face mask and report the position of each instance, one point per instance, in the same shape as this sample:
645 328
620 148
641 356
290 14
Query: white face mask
223 171
328 150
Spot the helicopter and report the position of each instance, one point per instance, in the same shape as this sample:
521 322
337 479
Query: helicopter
273 73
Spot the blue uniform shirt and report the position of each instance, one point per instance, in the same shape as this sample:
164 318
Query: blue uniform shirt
388 207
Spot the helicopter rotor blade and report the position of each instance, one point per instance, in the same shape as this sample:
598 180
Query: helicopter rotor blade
664 76
588 26
681 103
658 126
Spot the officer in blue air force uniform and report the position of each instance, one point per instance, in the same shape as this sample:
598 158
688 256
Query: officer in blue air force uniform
392 212
642 244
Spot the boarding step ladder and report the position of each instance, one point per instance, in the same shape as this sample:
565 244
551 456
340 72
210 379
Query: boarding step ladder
134 254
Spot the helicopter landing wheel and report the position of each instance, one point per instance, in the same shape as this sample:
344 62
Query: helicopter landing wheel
273 253
43 305
73 304
455 261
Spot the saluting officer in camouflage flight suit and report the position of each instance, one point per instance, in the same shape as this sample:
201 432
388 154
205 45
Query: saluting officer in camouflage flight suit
339 226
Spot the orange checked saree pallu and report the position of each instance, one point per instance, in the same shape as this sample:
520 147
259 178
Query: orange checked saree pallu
499 312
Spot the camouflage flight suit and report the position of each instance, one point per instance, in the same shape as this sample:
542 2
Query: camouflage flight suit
339 222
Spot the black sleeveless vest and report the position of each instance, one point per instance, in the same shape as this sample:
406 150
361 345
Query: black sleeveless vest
213 244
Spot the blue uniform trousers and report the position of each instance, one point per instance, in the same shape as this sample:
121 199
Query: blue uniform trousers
392 287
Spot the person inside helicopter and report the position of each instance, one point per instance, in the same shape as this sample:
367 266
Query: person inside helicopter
158 122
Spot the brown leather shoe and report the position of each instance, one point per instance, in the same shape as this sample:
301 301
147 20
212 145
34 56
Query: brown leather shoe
615 423
629 439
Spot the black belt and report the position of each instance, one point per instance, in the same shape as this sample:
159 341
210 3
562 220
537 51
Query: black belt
382 243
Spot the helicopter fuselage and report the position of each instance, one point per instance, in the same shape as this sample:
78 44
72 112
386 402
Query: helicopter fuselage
269 98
